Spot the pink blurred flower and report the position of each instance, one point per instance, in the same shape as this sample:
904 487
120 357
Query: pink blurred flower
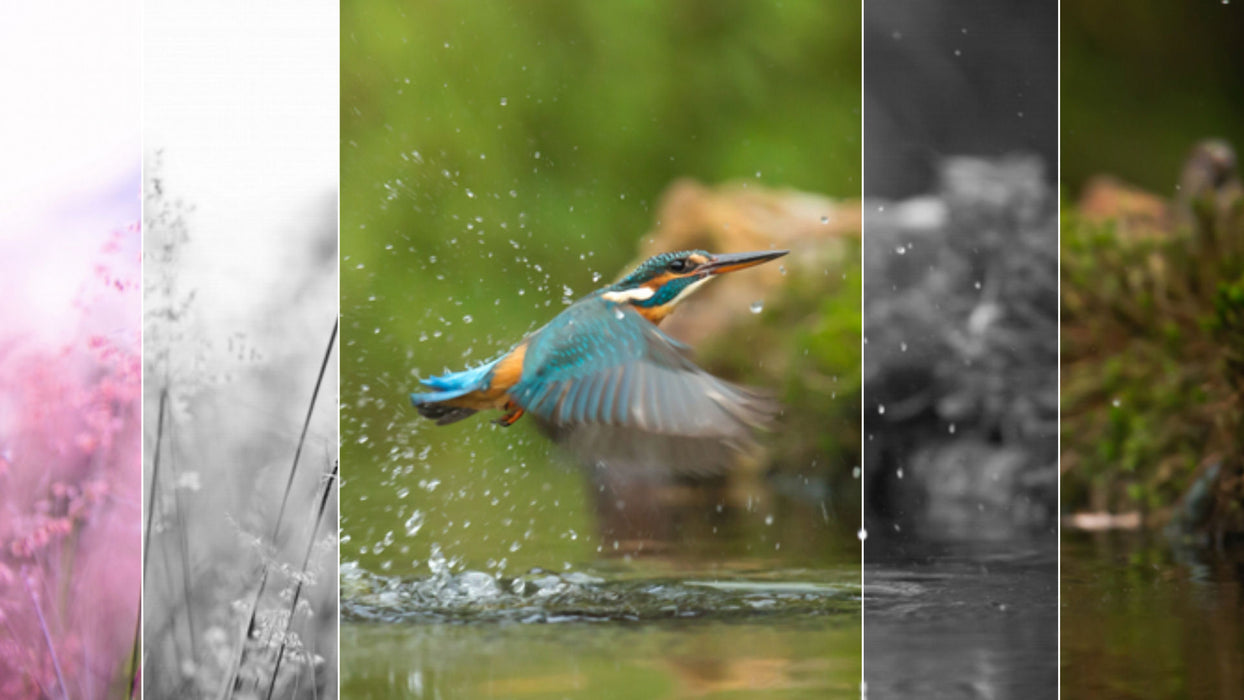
70 489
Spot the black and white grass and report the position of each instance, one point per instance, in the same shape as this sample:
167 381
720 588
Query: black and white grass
240 473
240 350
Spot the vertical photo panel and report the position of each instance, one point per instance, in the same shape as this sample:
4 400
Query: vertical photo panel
1152 350
239 349
70 308
546 493
961 349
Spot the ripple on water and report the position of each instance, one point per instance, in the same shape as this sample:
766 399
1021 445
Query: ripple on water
541 596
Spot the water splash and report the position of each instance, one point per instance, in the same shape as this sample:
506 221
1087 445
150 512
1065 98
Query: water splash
541 596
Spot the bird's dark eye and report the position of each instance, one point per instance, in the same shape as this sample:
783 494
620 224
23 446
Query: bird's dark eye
679 265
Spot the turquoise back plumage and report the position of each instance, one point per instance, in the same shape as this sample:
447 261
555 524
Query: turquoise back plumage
602 363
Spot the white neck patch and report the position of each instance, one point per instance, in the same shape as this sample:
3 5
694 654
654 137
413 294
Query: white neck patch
686 291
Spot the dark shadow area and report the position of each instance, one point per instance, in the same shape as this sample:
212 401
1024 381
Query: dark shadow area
1142 82
974 77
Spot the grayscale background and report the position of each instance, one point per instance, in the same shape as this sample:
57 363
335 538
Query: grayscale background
960 359
240 165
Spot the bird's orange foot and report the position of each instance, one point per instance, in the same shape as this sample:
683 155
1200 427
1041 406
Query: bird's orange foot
508 419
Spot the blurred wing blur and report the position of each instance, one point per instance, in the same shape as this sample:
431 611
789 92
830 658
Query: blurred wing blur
613 388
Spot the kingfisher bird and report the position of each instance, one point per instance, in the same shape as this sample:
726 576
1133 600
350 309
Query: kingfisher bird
602 378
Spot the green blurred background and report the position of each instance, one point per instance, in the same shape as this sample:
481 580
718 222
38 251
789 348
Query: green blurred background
1142 82
499 161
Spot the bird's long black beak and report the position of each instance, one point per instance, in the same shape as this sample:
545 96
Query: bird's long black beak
731 262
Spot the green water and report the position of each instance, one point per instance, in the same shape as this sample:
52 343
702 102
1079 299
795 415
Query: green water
1142 619
798 657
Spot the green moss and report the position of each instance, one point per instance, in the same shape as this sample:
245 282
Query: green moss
1150 391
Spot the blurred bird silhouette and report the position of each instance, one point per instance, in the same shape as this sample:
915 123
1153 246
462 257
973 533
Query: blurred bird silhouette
604 381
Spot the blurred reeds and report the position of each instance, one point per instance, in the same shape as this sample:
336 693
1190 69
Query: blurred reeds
70 486
241 469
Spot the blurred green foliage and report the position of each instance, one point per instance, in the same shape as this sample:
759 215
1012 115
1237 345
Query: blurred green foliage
1152 336
1142 81
501 160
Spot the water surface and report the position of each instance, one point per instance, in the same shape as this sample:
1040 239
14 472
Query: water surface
962 621
687 591
1143 618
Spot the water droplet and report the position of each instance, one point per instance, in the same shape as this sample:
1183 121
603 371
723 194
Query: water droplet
470 194
757 307
902 347
467 318
414 523
1116 403
824 219
862 534
617 311
899 473
901 250
881 410
504 101
951 429
855 472
769 519
782 269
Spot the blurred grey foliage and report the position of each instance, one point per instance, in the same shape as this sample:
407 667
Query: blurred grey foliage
961 353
